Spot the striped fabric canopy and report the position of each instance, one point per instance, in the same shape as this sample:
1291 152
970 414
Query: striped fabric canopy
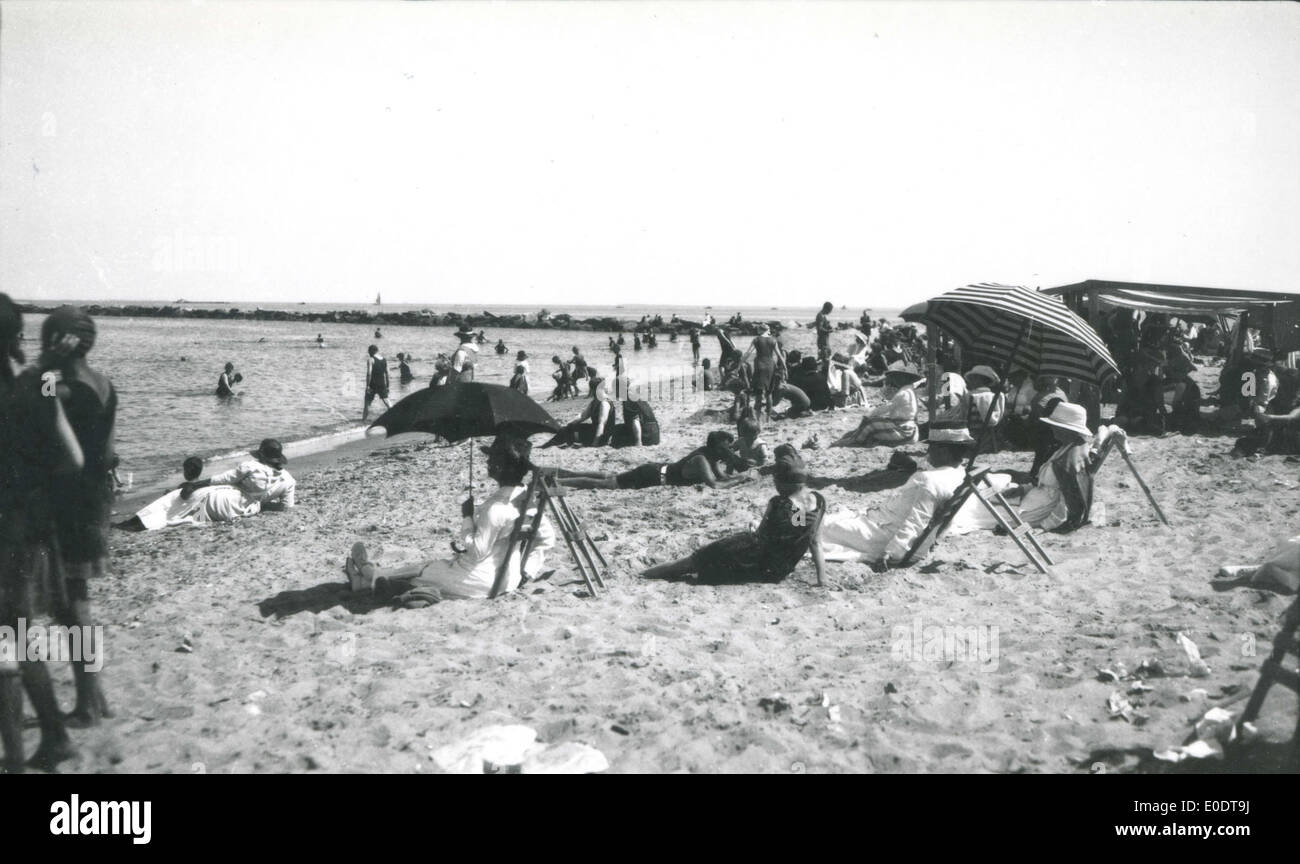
1018 328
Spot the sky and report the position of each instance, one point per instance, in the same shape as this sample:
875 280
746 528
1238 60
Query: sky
871 154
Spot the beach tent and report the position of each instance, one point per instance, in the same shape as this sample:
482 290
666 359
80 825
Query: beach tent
1276 314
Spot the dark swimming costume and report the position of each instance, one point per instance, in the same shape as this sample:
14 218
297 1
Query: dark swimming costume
643 476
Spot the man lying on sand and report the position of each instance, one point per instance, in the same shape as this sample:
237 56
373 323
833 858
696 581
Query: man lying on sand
789 530
261 483
849 537
707 465
1280 571
482 546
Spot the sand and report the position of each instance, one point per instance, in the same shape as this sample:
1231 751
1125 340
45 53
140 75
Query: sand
235 648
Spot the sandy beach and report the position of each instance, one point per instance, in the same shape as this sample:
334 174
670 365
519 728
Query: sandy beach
237 648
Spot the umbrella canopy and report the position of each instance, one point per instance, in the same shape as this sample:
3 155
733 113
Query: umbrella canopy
469 410
1020 329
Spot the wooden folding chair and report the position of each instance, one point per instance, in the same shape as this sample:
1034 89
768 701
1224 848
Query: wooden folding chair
1009 519
1128 460
546 494
1273 672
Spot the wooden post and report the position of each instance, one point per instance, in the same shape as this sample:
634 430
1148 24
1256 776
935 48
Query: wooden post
931 366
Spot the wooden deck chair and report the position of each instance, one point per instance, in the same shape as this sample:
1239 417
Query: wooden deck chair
1128 460
1273 672
1008 518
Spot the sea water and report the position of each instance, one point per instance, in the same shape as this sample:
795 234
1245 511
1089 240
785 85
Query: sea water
165 371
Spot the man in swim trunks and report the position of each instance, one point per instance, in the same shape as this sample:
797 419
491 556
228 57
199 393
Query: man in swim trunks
376 380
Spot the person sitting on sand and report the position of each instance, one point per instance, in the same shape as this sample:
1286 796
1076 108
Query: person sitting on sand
789 530
893 421
640 427
847 536
600 411
482 546
749 446
261 483
810 377
986 406
708 465
1061 495
1280 571
170 509
226 381
708 376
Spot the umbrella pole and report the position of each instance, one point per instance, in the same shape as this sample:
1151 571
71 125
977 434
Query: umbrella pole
931 366
471 466
984 430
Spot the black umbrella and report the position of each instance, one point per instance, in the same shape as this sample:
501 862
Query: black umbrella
470 410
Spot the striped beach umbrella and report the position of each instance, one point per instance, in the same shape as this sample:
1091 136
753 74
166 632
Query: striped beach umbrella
1018 328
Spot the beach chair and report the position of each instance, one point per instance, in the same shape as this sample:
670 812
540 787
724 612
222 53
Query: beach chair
1008 518
1128 460
1272 671
546 494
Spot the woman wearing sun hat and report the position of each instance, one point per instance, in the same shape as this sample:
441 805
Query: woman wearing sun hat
1061 496
893 422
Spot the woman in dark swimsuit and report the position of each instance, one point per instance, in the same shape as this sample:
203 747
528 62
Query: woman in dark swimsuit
767 362
227 380
789 530
81 503
37 444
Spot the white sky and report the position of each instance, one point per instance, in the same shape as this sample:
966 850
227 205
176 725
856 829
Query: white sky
872 154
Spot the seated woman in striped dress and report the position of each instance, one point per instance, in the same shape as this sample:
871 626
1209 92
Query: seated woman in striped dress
892 422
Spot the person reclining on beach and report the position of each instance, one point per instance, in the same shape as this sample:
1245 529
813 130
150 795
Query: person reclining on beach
170 508
1280 571
600 413
708 465
893 421
847 536
481 547
1061 495
789 530
261 483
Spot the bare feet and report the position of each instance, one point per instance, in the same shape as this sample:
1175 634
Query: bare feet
361 573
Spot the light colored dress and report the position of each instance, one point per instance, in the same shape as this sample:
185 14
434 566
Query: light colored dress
242 491
486 538
847 536
888 424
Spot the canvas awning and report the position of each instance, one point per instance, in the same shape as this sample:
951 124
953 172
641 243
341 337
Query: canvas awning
1172 299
